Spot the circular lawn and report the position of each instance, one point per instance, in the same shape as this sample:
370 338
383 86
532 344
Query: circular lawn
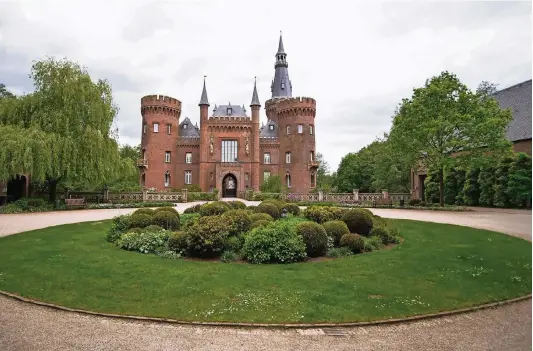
438 267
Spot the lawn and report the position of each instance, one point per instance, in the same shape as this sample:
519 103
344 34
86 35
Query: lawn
438 267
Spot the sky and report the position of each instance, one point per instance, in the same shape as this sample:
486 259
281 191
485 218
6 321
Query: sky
357 59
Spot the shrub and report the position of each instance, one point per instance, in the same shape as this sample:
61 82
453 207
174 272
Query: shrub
353 241
167 220
358 221
193 209
236 205
378 222
167 209
251 207
229 256
278 242
383 233
144 242
269 208
414 202
315 238
119 225
214 208
292 209
259 223
36 202
318 214
336 229
339 252
337 212
372 243
140 220
187 218
239 220
206 236
367 211
177 241
261 217
422 204
233 243
279 204
152 228
146 211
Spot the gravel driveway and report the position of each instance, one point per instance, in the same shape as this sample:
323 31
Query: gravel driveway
28 327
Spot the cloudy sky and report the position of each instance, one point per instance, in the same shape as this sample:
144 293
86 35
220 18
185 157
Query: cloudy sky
357 59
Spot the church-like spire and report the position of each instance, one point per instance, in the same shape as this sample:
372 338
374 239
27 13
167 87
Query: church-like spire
203 99
281 85
255 97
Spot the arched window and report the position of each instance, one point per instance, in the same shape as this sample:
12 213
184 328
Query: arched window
288 180
167 178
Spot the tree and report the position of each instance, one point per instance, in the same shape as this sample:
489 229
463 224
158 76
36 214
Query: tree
444 124
4 93
64 130
324 180
471 189
486 89
519 183
486 181
272 184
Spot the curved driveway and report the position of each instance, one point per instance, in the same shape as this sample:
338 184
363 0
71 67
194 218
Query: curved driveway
28 327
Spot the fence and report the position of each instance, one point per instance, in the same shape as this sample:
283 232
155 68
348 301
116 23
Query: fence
353 197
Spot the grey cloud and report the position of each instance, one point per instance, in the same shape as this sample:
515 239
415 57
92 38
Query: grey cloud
193 67
147 20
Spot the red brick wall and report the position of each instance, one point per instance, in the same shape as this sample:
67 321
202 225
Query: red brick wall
523 146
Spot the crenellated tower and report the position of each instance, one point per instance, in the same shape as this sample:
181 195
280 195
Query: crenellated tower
160 115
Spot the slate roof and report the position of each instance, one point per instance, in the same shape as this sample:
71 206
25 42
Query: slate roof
281 84
236 111
203 98
267 132
518 98
186 129
255 97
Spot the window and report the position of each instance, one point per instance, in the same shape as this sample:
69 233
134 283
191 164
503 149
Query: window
167 156
271 127
144 128
229 150
282 85
287 157
229 111
288 130
300 129
169 128
156 127
313 180
246 176
211 176
188 157
188 177
185 126
288 180
266 157
167 178
311 130
266 174
312 155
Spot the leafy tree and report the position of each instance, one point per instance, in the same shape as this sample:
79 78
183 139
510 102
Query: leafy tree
444 124
471 189
519 181
391 170
272 184
431 186
63 131
324 180
453 186
486 89
486 181
501 198
4 93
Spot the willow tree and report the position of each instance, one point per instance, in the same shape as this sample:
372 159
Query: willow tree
63 130
444 123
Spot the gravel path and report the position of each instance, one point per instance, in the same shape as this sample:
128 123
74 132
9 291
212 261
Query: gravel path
28 327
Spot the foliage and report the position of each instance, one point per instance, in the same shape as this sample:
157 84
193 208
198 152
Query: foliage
214 208
177 242
318 214
414 202
372 243
193 209
191 188
152 228
259 223
167 220
63 130
279 204
444 119
140 220
519 182
378 222
383 233
276 243
336 229
337 252
358 221
27 205
431 186
454 180
268 208
119 225
315 238
236 205
206 236
354 242
169 209
501 199
292 208
199 196
486 180
147 211
144 241
238 220
233 243
471 188
229 256
272 184
261 216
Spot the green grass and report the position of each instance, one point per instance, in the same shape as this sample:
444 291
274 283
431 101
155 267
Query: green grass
438 267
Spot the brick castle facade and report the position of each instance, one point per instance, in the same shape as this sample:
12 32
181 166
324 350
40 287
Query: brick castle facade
230 150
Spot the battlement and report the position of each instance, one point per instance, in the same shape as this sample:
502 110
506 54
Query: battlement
229 119
296 102
160 100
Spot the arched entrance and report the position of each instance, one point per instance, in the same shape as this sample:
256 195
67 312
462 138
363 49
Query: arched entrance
229 186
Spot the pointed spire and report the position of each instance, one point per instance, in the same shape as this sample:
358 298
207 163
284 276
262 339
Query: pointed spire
255 97
203 99
281 50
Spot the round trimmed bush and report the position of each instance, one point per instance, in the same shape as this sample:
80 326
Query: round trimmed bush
414 202
166 209
261 217
147 211
214 208
367 211
378 221
358 221
259 223
140 220
383 233
319 214
236 205
336 229
337 212
233 243
279 204
354 242
276 243
239 221
251 208
177 241
268 208
292 209
167 220
193 209
207 236
119 226
315 238
153 228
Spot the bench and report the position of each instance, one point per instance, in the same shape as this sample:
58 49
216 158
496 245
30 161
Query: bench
383 202
73 203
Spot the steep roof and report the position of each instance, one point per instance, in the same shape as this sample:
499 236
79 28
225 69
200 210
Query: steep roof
223 111
270 130
518 98
187 129
203 98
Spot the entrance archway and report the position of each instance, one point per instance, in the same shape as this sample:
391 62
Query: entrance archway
229 186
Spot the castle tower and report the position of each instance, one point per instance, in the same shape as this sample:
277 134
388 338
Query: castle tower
281 84
204 139
255 105
161 116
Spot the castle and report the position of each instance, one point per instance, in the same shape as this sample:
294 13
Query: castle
230 151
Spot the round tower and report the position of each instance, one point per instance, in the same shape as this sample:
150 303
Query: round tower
160 120
296 122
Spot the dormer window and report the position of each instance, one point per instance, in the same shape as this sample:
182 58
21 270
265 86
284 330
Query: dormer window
230 110
271 127
185 126
282 85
